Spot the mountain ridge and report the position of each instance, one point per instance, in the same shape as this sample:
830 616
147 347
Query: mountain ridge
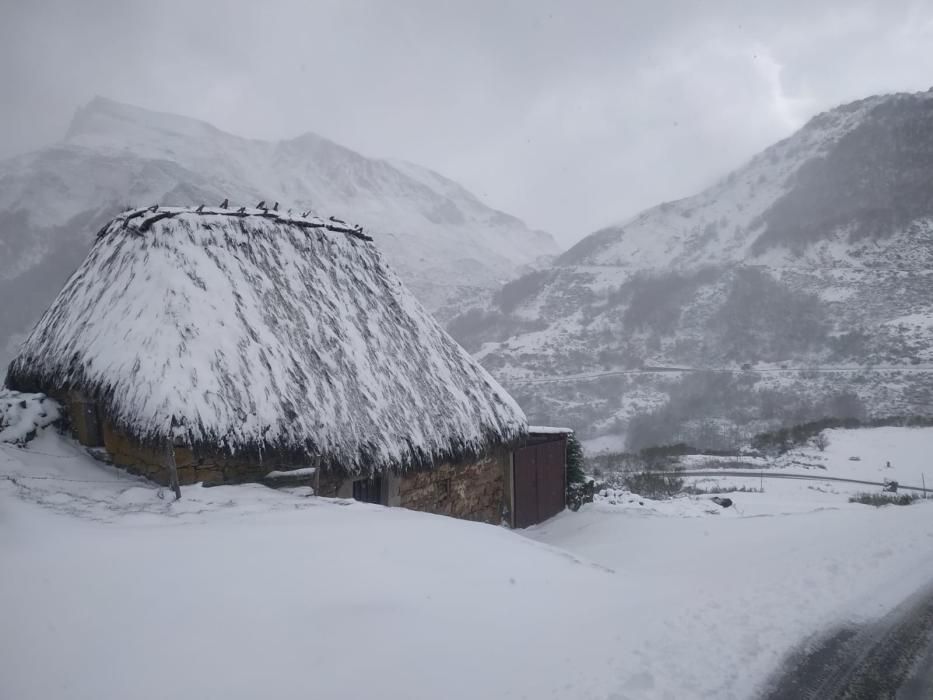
816 252
447 245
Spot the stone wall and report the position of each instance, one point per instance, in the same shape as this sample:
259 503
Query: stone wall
92 429
135 458
81 416
477 490
331 484
193 465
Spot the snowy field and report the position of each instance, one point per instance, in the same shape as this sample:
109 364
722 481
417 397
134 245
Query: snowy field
870 454
109 591
876 454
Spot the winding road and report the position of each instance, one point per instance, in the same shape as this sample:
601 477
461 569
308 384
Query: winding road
762 474
588 376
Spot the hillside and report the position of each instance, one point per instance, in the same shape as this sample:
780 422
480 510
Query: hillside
447 245
799 286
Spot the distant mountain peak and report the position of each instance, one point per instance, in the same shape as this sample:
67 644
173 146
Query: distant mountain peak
822 179
449 247
103 117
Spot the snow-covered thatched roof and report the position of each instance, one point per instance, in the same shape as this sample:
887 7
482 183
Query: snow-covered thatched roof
255 330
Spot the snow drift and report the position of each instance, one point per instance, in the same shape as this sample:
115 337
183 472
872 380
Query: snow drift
239 592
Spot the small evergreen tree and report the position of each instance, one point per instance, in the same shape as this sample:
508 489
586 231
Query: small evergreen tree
575 473
579 488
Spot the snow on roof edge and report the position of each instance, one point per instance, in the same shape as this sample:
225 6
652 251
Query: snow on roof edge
548 430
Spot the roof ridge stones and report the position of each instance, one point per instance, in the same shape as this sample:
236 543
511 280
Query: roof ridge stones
149 215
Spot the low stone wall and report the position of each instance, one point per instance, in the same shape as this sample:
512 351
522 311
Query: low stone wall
135 458
193 465
477 490
330 483
81 416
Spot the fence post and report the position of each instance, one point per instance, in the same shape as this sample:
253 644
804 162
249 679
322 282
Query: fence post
172 468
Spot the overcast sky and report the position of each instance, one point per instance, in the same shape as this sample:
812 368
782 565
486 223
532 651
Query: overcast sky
571 115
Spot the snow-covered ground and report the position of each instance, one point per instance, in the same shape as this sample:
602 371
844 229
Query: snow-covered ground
875 454
109 591
708 606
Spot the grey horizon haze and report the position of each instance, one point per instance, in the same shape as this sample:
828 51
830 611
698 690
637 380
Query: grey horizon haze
569 115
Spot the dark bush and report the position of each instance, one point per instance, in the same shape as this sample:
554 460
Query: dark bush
762 313
515 292
883 499
787 438
657 301
675 450
653 485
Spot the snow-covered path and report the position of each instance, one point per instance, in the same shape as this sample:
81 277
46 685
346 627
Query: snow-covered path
108 591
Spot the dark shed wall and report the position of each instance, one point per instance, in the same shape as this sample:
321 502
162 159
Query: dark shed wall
539 479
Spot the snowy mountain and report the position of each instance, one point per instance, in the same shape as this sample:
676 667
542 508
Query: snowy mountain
447 245
801 285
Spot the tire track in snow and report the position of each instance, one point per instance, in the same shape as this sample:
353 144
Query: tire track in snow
880 659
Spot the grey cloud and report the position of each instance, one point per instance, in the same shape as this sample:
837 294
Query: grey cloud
570 115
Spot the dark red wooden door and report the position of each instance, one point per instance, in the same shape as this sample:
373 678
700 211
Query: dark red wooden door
539 472
525 485
551 466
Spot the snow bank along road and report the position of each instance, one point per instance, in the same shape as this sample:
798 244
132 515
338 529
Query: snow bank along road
108 591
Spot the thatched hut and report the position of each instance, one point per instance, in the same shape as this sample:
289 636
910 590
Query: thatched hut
230 346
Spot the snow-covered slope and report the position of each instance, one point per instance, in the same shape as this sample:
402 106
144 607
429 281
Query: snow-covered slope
448 246
725 222
108 591
817 254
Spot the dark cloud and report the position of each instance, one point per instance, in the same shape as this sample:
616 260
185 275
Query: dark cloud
571 115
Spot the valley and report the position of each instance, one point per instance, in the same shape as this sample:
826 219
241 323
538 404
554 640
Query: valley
798 287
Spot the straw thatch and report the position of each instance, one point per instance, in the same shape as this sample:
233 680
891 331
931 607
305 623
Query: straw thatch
259 331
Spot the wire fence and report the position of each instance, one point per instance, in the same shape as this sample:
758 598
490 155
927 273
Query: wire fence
23 450
15 477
